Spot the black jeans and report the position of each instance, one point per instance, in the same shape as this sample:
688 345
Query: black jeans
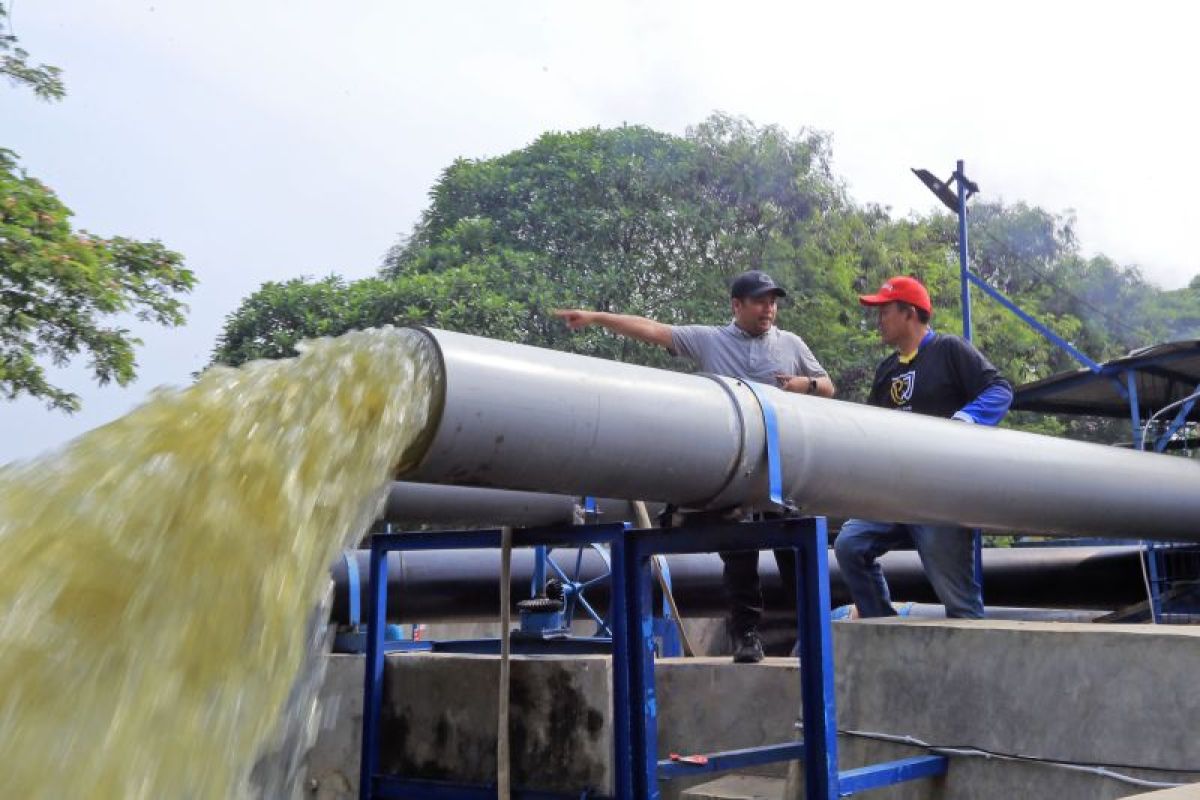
743 588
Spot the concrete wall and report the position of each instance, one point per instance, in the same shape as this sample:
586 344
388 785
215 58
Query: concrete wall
333 761
1076 692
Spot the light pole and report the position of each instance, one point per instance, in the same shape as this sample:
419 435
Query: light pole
956 201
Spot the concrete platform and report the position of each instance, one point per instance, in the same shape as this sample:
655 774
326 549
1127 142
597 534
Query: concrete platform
1123 695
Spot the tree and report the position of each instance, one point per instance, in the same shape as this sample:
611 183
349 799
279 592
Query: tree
45 81
638 221
627 219
277 317
60 290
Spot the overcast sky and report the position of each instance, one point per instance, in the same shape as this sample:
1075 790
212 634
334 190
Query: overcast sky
266 140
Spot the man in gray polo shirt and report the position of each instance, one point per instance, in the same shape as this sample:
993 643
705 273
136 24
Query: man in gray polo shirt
750 348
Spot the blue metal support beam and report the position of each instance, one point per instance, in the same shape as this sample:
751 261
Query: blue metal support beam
1178 422
1062 343
1135 414
732 759
853 781
818 703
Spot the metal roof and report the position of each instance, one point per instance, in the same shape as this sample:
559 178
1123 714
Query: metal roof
1162 374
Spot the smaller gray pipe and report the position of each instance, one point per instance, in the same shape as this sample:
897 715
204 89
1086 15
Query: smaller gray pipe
430 506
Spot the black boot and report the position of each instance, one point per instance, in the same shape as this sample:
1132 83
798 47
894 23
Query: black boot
748 649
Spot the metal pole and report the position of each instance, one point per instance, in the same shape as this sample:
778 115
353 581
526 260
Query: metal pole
624 713
960 178
373 676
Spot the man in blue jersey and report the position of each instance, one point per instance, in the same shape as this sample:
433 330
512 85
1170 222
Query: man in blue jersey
750 348
942 376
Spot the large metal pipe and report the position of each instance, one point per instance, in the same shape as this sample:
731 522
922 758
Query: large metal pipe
519 417
462 585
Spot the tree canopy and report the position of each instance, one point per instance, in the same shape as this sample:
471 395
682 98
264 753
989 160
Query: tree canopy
637 221
45 81
63 292
60 291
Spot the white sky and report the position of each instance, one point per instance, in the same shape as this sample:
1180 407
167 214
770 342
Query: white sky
269 139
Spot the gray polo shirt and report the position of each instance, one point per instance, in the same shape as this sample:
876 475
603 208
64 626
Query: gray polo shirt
730 351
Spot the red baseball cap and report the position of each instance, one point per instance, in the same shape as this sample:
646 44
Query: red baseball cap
903 289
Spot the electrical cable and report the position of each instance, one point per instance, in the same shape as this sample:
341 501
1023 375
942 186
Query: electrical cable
1097 768
1163 410
1141 445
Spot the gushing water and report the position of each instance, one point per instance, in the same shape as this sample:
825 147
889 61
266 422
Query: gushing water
157 575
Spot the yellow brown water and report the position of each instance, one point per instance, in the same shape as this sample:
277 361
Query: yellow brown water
157 574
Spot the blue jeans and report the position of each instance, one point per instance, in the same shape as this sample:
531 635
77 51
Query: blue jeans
947 553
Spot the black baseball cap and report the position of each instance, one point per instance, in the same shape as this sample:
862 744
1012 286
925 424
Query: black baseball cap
754 283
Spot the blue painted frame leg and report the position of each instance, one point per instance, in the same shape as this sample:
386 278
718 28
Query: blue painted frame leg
817 699
643 705
623 721
373 681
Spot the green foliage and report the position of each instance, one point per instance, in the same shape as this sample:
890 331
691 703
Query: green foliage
627 220
45 81
637 221
59 288
276 318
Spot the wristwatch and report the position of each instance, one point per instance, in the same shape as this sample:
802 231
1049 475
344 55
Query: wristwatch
812 386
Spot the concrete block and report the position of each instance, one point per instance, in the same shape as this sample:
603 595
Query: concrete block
737 787
439 720
332 763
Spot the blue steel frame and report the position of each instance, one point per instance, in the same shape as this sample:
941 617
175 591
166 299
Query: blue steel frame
808 538
635 735
374 785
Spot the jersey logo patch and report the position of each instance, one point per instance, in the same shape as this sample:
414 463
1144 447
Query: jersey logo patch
902 387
